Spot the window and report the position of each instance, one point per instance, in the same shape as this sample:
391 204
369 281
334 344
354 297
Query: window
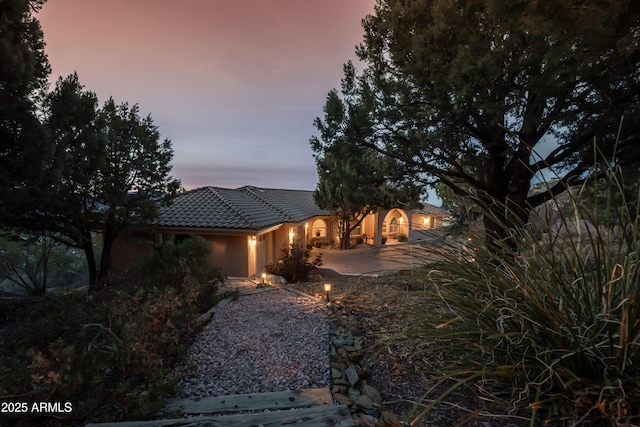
393 226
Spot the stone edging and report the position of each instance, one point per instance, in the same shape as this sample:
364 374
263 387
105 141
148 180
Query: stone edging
350 376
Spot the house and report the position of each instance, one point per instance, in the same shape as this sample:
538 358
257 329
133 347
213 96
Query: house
247 227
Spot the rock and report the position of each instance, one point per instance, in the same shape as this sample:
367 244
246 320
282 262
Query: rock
372 393
367 420
273 279
389 419
371 412
356 357
364 402
336 374
354 394
363 374
203 318
352 374
342 399
342 341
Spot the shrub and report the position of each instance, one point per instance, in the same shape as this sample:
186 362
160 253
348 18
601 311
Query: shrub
33 263
401 237
173 263
359 240
294 263
109 354
549 332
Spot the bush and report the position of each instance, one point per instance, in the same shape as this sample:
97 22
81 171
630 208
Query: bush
34 263
173 263
294 264
402 237
109 354
549 332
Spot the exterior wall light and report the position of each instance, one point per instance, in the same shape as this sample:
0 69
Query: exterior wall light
252 240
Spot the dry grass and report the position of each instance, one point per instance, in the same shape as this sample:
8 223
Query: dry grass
383 309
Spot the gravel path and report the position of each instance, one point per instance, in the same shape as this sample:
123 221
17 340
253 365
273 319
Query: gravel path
269 341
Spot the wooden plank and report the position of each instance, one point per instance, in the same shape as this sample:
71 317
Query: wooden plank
315 416
251 402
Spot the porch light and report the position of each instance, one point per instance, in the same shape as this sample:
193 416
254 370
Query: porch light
252 240
327 289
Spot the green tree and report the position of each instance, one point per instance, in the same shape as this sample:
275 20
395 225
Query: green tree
71 211
135 178
24 68
516 87
111 171
353 179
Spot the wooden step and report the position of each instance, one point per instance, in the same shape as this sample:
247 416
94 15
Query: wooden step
251 402
304 408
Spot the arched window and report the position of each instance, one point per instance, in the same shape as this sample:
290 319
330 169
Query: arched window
319 228
393 225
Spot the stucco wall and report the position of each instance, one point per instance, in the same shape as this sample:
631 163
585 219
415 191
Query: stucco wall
128 248
230 253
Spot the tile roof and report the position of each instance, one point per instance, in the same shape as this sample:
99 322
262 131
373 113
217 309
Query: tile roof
428 209
245 208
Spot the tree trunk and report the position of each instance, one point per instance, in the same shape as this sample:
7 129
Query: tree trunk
492 202
345 233
507 210
87 246
104 258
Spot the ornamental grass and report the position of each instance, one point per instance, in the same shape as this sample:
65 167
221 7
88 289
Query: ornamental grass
547 332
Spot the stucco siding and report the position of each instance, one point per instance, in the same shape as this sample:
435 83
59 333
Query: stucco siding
128 248
230 254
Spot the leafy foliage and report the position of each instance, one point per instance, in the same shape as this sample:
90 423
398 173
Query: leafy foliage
482 95
353 179
135 179
71 211
24 69
109 171
173 263
109 354
38 263
294 264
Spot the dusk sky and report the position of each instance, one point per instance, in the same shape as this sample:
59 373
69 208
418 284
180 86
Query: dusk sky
235 85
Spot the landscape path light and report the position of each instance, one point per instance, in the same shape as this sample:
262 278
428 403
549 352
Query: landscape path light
327 289
264 278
